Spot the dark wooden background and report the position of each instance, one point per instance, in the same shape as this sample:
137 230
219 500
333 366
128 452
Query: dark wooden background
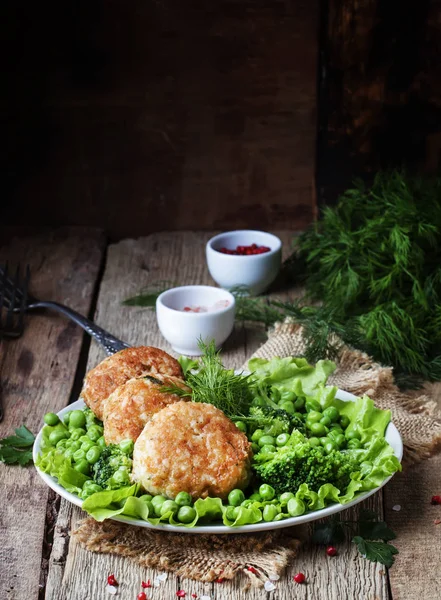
138 116
143 115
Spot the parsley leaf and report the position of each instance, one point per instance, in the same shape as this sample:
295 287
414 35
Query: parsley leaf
330 532
369 530
375 530
376 551
17 449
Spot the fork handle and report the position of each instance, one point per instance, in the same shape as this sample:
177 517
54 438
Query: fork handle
110 343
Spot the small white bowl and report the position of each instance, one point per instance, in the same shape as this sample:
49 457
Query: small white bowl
183 329
256 271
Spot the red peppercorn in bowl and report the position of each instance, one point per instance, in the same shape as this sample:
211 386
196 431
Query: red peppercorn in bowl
244 258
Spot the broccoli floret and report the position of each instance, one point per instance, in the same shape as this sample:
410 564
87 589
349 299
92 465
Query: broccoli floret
112 469
273 421
289 467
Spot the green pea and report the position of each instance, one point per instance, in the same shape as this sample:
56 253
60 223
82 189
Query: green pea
344 421
325 421
255 448
296 507
246 502
241 426
324 440
265 440
77 419
93 454
183 499
95 432
336 428
285 497
332 413
168 506
186 514
86 446
340 440
313 417
354 444
275 394
76 433
84 438
157 502
101 442
267 492
75 445
146 498
313 405
232 512
299 415
270 512
329 447
256 497
93 488
317 429
82 466
57 435
258 401
62 443
79 455
314 442
66 418
334 433
299 402
236 497
268 448
68 453
282 439
288 396
257 435
51 418
288 406
127 447
352 434
121 476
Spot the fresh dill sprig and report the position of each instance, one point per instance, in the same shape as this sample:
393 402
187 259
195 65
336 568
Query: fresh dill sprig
213 384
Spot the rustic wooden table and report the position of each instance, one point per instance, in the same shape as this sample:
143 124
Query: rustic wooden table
43 371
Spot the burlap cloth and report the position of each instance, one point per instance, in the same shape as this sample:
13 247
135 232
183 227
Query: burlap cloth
207 558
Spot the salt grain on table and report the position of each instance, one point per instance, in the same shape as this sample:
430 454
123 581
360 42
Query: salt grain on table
396 508
269 586
274 577
111 589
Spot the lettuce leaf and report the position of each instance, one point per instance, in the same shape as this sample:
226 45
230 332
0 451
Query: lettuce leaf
293 374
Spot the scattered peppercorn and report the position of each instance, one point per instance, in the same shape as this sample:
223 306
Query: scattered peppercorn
331 551
435 500
111 580
141 596
299 578
146 584
246 250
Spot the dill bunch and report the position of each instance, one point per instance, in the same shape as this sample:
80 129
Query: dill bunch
213 384
374 262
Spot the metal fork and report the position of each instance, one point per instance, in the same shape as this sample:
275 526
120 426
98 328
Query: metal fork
16 299
12 325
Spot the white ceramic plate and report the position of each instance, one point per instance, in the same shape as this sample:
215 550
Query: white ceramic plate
392 436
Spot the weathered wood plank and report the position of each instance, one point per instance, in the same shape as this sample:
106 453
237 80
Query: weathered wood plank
37 373
179 258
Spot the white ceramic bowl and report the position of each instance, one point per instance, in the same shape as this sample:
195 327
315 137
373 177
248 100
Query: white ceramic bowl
256 271
183 329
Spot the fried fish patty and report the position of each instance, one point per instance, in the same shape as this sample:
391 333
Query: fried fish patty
191 447
127 364
132 405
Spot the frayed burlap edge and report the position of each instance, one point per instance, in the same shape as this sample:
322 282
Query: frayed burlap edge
417 417
206 558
